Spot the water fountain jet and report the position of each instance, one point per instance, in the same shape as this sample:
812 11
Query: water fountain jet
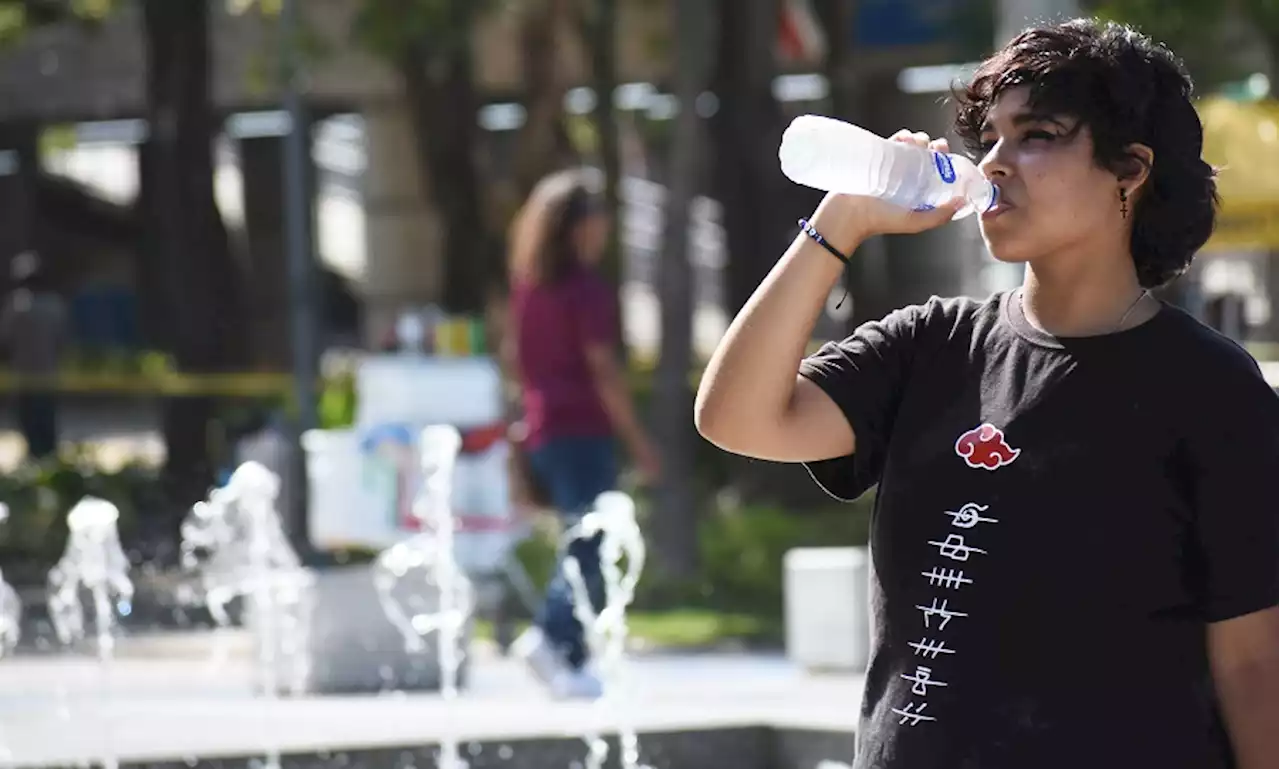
235 545
10 607
622 554
95 561
432 553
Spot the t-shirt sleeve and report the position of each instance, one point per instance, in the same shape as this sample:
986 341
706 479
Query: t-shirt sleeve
864 375
594 312
1235 457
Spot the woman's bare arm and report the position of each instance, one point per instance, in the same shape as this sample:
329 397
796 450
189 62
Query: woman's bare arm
751 400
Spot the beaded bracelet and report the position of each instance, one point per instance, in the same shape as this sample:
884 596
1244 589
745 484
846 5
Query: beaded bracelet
812 232
816 237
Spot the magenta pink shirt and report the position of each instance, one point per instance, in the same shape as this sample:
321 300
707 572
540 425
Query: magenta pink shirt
554 325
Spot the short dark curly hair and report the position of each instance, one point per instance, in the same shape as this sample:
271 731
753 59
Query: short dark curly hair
1125 88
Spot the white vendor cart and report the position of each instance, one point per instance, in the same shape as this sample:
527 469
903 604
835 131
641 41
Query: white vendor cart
361 485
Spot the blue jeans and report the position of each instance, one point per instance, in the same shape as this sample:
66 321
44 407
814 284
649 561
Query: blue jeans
574 470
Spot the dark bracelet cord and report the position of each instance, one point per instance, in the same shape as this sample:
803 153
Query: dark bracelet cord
813 234
816 237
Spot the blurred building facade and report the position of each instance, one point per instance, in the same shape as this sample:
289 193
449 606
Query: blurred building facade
68 75
377 230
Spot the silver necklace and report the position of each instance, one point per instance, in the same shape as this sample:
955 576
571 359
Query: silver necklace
1128 312
1022 300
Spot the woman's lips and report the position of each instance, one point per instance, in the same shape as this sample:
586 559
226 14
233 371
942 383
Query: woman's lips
996 210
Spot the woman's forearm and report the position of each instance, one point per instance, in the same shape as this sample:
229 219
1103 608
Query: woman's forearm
751 376
615 396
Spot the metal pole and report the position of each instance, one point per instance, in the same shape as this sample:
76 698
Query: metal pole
300 254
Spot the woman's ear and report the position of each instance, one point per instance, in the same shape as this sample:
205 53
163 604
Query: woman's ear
1141 159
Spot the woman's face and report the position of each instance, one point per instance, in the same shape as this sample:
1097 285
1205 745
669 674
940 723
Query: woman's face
1053 196
590 237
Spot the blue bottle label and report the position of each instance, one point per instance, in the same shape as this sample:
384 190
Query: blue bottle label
945 169
924 207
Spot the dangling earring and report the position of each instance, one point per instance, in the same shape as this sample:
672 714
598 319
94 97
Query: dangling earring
1124 203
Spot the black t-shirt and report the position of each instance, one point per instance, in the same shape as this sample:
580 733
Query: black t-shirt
1055 523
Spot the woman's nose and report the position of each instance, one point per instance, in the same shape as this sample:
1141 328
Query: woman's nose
995 164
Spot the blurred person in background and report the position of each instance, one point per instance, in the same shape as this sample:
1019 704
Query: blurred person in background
33 328
1073 544
561 346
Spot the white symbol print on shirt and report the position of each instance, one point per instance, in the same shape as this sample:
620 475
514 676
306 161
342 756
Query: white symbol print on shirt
967 516
926 647
955 548
934 610
949 578
921 680
911 713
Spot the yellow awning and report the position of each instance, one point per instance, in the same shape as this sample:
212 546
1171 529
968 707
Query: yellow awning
1240 139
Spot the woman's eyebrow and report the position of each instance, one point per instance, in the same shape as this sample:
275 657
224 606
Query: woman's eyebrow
1023 118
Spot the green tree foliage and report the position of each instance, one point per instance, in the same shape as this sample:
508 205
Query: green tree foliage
1212 36
1264 17
428 44
19 16
393 28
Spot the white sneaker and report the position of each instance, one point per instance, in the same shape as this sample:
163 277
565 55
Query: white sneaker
540 655
577 685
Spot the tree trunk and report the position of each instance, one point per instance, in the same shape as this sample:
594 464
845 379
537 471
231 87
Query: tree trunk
543 145
442 101
674 522
760 207
746 129
601 30
20 226
188 259
864 278
840 68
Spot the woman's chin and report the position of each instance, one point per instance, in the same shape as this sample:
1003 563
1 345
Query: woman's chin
1004 251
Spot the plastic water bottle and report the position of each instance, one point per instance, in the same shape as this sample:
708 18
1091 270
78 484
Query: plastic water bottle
836 156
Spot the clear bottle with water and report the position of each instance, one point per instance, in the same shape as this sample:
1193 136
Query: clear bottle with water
835 156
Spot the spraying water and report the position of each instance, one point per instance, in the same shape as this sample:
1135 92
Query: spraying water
10 607
614 521
431 555
235 543
10 628
94 560
431 552
10 617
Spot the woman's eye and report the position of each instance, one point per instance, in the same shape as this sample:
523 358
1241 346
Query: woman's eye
985 146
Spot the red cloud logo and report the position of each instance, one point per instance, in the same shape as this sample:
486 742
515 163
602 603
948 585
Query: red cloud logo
984 446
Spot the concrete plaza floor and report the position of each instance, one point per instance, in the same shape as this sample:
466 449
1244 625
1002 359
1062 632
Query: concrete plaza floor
166 698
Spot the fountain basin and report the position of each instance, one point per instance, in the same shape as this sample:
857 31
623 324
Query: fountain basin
354 649
726 747
701 711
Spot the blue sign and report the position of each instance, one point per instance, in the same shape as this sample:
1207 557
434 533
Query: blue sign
885 23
